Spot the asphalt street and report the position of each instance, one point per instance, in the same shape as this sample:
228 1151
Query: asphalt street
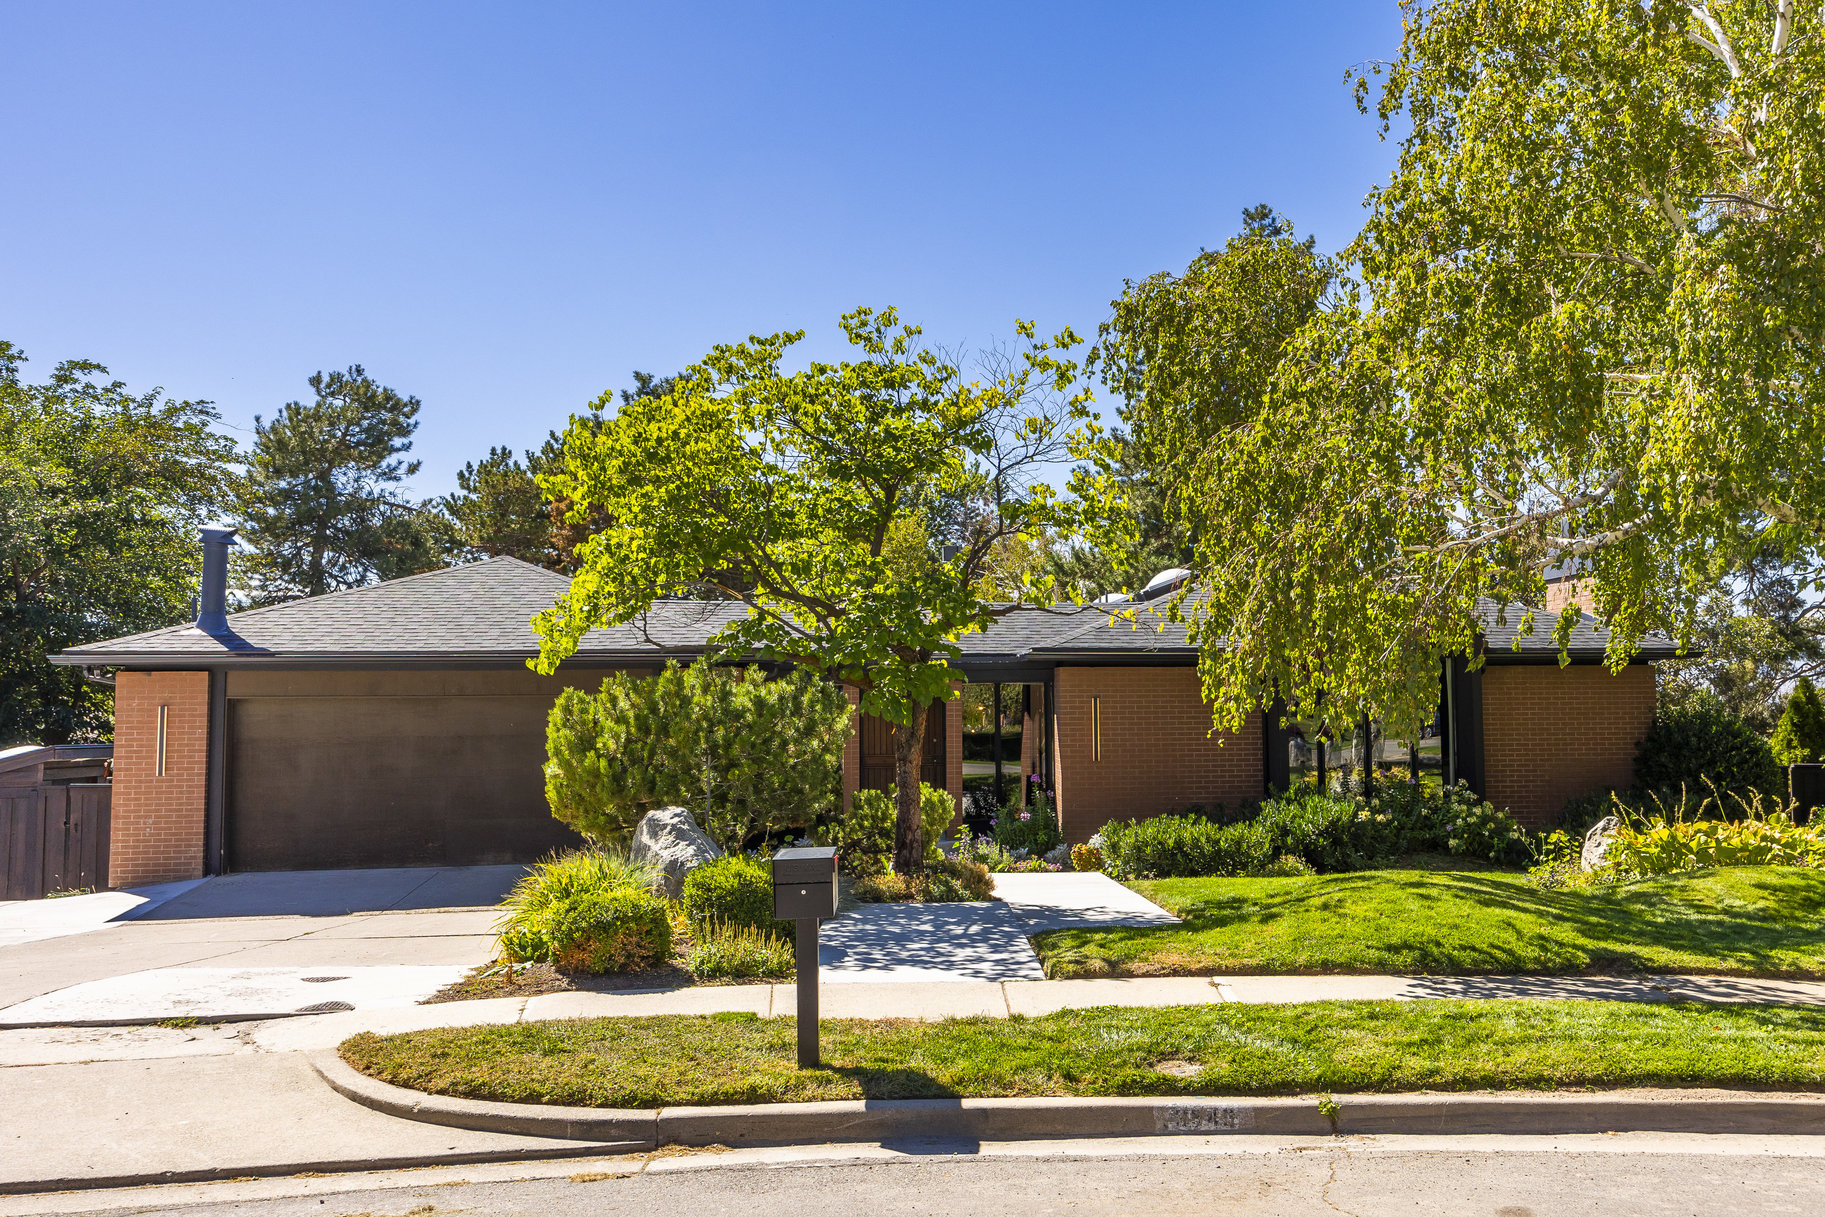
1498 1176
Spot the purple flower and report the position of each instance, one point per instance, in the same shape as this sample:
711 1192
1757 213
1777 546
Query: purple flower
1025 815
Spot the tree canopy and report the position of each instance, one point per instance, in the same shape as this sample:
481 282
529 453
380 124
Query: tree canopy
1190 356
807 497
321 506
101 495
1584 321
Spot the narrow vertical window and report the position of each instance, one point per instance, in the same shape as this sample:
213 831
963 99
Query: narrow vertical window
162 710
1096 728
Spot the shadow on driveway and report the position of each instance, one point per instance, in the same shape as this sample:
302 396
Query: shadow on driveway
337 893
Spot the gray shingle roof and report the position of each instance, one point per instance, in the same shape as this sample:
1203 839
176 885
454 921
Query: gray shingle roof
483 611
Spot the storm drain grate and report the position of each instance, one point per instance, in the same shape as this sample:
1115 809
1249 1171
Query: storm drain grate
321 980
325 1007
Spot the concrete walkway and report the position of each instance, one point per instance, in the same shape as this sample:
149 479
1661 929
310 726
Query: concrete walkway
975 942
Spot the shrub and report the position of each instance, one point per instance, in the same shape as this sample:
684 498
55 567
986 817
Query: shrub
618 930
1799 738
1086 857
864 835
1664 846
1322 832
1167 847
746 754
1702 740
946 881
733 890
721 951
1033 828
587 911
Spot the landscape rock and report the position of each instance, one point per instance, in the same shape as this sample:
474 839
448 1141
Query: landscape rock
670 839
1597 842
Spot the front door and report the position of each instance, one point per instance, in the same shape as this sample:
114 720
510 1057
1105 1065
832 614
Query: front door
877 751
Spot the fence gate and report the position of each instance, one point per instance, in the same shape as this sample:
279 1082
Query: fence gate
53 839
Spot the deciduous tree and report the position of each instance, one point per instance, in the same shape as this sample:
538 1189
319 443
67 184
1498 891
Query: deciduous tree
101 495
1585 320
802 496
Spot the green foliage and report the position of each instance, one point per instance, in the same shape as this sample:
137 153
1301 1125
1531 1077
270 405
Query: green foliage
499 510
745 754
742 951
1700 741
101 495
1667 846
943 881
864 836
1033 828
806 496
587 911
1582 321
1191 355
733 890
1799 738
320 508
1313 830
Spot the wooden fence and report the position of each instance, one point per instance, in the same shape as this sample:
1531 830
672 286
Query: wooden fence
53 839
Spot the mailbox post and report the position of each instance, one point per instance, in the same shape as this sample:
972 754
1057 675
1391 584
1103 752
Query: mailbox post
804 891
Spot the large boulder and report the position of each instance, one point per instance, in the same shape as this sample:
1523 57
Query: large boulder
1597 842
670 839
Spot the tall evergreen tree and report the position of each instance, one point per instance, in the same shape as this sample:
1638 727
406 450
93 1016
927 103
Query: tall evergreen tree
322 507
499 510
1799 738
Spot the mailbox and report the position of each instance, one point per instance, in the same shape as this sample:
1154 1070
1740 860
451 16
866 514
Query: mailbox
804 884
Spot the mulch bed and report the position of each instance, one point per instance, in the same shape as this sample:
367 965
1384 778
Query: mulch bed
533 979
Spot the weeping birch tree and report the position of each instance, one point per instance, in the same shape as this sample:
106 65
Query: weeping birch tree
1584 322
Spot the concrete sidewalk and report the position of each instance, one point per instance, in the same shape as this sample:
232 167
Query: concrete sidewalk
1027 997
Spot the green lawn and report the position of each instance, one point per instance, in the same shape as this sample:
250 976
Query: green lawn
1222 1049
1751 921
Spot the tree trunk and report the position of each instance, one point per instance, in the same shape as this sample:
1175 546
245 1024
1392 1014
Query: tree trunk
908 757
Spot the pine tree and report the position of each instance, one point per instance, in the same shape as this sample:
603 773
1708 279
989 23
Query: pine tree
321 507
1799 738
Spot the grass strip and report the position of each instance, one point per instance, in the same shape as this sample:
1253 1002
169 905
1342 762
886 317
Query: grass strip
1742 921
1191 1050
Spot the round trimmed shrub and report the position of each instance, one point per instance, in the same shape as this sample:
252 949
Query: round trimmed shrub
733 890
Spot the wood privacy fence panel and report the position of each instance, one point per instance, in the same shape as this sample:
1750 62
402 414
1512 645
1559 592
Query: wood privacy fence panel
53 839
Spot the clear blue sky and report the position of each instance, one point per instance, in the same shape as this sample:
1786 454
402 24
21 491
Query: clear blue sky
504 209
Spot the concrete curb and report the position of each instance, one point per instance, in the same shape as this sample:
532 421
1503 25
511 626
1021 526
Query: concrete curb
1718 1111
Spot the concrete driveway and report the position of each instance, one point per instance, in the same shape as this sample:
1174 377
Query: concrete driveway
262 944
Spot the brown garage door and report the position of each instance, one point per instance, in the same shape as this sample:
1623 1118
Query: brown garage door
317 782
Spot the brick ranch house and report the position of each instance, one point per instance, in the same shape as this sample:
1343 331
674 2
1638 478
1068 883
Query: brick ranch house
397 724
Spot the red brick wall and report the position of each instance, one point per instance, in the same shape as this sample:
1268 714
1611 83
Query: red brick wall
157 834
1551 734
1158 752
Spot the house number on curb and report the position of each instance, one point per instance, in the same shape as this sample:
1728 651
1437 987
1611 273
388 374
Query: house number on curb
1201 1117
